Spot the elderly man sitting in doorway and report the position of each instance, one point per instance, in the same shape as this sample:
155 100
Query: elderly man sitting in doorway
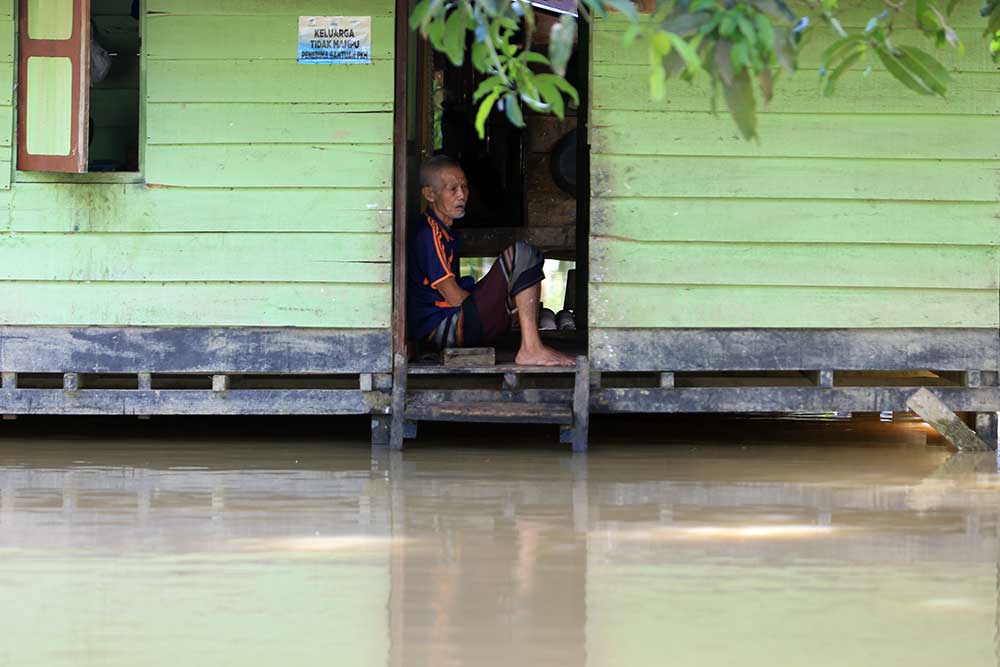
445 310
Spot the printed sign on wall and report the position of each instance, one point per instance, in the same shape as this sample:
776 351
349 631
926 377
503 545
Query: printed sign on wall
335 40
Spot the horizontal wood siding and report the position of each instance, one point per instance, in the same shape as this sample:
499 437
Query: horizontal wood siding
265 196
875 208
8 34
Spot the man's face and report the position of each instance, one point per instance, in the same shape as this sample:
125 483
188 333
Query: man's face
450 194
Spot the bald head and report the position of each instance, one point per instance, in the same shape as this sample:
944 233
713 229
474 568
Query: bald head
443 185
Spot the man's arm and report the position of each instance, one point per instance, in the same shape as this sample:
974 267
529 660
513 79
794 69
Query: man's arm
451 292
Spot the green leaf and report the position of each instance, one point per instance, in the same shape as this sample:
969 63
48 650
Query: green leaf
486 87
631 34
784 51
687 52
512 108
766 82
900 73
746 27
550 93
660 43
742 105
739 56
454 36
839 49
561 40
567 88
420 13
535 57
931 72
723 62
765 31
830 81
485 107
657 82
728 25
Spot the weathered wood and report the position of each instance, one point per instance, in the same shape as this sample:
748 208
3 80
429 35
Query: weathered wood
9 380
595 379
366 382
381 425
71 382
784 399
422 397
191 402
933 410
986 428
410 429
667 380
510 380
793 349
383 381
144 382
397 431
520 413
220 383
499 369
194 350
489 242
468 356
581 405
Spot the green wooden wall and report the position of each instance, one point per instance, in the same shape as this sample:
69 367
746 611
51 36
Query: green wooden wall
874 208
265 193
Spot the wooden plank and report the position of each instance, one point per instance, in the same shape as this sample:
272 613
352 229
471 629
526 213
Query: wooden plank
610 49
397 428
820 265
852 13
208 257
61 207
627 87
190 402
793 349
278 81
493 413
933 410
932 137
8 31
781 399
258 7
220 383
782 221
274 123
9 381
175 36
330 305
194 350
468 356
793 178
422 398
498 369
144 381
71 382
270 166
737 306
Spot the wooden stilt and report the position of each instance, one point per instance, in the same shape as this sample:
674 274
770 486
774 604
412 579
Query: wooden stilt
986 428
398 428
581 405
932 410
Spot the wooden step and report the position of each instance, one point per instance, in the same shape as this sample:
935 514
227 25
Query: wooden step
492 413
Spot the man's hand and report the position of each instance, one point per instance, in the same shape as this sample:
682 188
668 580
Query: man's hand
451 292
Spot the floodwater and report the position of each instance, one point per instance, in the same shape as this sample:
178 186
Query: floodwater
792 549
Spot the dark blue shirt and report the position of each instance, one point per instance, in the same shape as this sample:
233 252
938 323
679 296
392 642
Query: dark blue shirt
433 256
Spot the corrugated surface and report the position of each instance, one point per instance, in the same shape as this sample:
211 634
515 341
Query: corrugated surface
267 187
874 208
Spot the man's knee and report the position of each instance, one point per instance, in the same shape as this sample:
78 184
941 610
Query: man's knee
525 254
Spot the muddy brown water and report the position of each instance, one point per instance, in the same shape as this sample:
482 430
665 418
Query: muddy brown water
783 547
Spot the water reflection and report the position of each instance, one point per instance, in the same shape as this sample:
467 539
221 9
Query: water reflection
149 553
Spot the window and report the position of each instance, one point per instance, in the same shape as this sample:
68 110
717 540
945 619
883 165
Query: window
78 88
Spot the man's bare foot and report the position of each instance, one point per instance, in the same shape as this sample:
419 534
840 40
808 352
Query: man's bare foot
543 356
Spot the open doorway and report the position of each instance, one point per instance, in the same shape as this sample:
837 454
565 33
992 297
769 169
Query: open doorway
523 181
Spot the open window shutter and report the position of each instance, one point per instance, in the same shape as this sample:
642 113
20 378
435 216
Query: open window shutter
53 85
